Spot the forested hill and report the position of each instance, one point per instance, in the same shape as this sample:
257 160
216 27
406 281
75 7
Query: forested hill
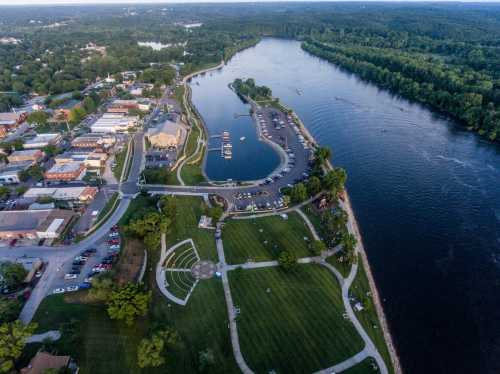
446 55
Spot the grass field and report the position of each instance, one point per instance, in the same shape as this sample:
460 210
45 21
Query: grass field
364 367
343 267
192 175
185 225
296 327
245 239
368 317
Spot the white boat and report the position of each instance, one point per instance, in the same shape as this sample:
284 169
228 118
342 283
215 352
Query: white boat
242 138
227 145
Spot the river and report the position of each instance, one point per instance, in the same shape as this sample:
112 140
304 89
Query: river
425 192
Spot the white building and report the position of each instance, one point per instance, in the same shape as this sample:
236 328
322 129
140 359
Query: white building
80 193
113 123
42 140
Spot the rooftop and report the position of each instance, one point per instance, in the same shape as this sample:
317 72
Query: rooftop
70 167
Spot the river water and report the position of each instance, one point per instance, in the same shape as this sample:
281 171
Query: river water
426 195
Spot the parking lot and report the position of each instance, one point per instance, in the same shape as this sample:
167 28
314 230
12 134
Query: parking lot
78 274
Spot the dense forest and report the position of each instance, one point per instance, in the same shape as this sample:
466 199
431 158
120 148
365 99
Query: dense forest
444 55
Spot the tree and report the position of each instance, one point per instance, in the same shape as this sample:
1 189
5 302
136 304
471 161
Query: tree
35 172
206 358
322 154
151 352
21 190
313 186
215 212
13 275
287 260
128 302
17 144
50 150
12 341
76 115
102 286
4 192
89 105
348 242
9 309
38 118
317 247
298 193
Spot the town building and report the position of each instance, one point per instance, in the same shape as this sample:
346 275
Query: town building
33 155
44 362
34 224
113 123
10 121
95 141
42 140
166 135
10 173
66 172
82 194
63 111
90 159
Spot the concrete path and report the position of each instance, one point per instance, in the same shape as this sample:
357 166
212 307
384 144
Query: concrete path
308 223
40 338
231 310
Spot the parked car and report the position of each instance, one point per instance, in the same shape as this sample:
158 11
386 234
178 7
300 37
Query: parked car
114 241
114 246
58 290
78 263
72 288
85 285
113 234
69 276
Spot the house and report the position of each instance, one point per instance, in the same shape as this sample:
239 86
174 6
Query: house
63 111
82 194
10 174
42 140
113 123
10 121
166 135
43 361
33 155
34 224
66 172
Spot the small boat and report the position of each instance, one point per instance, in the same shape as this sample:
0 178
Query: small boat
299 92
242 139
228 145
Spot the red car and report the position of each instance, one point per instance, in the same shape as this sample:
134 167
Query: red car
114 241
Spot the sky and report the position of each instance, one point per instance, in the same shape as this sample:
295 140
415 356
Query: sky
41 2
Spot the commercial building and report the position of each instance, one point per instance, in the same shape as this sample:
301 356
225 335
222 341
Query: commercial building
10 174
94 141
113 123
33 155
83 194
66 172
90 159
42 140
34 224
44 362
165 135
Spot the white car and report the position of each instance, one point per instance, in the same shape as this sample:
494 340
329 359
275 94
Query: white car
70 276
58 290
72 288
114 234
114 246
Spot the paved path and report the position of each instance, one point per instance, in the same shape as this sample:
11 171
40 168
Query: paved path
48 335
308 223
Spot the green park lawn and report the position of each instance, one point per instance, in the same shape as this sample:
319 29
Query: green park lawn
296 327
364 367
185 225
245 239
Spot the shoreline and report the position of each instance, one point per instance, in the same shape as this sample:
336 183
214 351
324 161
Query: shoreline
360 247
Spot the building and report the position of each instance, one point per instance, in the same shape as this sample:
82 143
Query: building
165 135
82 194
94 141
90 159
34 224
113 123
42 140
63 111
66 172
123 106
33 155
11 119
43 362
10 174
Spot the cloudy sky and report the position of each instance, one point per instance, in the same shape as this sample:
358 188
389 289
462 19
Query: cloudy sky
34 2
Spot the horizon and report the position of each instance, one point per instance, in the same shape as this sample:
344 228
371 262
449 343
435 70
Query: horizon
153 2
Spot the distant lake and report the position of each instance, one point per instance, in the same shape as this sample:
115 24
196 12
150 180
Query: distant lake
425 192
